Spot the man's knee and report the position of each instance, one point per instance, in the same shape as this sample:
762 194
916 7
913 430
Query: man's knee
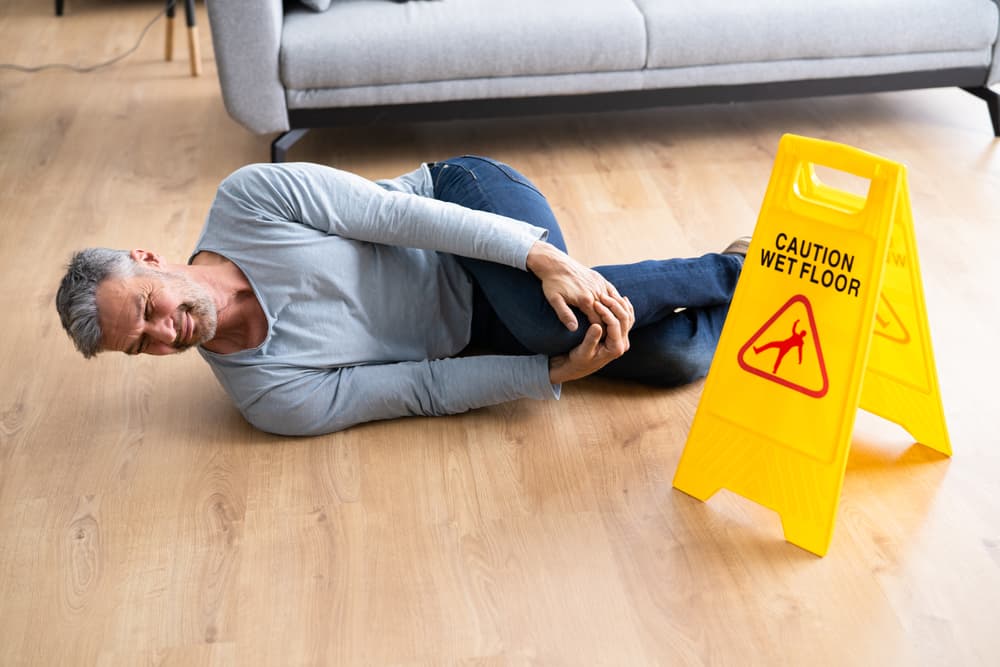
685 370
691 363
550 338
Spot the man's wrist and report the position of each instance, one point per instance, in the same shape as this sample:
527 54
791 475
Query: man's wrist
541 257
557 371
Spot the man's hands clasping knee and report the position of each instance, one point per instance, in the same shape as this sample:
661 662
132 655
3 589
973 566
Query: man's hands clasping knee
601 344
566 283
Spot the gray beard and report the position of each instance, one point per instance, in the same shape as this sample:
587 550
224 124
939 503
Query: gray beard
200 305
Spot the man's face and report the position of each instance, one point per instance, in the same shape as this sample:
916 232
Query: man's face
154 312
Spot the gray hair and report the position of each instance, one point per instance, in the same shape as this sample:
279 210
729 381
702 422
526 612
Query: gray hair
76 299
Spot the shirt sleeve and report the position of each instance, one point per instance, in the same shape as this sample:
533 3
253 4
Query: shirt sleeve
323 401
344 204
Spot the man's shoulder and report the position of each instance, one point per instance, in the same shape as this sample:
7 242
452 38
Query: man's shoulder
249 374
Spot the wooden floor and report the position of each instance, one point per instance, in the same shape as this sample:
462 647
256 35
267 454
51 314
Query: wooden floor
143 522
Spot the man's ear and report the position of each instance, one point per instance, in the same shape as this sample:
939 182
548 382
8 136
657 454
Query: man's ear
147 258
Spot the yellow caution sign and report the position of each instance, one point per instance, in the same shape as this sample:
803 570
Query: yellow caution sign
828 315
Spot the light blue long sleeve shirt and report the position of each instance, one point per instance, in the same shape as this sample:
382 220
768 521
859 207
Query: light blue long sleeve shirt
365 302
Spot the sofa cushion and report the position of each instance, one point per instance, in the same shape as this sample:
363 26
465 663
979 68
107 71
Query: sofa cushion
373 42
712 32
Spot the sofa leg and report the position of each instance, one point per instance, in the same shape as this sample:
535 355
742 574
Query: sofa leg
992 100
281 145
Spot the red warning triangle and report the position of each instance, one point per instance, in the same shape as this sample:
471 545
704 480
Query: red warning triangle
888 324
787 350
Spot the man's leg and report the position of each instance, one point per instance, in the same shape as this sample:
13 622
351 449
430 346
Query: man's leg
511 312
674 351
680 306
666 347
659 287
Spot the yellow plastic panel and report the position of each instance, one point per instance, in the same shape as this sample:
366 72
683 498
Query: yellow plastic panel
775 419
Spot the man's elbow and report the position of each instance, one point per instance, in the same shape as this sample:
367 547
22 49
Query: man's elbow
289 422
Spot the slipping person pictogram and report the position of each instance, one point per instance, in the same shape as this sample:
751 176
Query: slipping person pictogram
809 376
784 346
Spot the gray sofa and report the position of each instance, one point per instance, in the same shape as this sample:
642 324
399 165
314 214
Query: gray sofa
285 68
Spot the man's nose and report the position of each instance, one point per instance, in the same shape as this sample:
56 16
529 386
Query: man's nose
163 330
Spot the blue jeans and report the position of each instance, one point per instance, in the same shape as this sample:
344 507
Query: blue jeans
512 316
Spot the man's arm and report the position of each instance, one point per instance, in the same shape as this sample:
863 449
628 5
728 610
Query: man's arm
324 401
311 402
347 205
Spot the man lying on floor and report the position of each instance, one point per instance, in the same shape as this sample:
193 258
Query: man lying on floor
321 299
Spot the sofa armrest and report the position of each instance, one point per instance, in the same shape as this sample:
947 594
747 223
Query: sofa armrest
246 37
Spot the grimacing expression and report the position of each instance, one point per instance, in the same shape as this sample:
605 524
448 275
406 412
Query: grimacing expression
154 312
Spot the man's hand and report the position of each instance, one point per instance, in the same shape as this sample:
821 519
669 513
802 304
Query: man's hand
566 282
594 353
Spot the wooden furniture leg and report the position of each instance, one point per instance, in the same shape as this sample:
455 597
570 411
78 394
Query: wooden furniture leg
194 49
168 53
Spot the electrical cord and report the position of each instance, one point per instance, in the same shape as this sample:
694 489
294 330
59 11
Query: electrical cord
91 68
